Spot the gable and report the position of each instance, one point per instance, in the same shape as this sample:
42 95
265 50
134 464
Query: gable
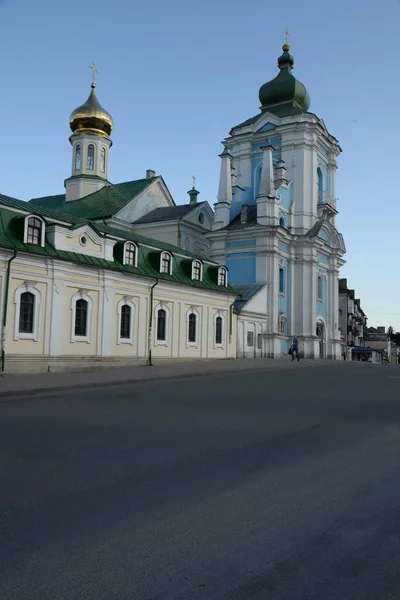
202 216
155 195
82 240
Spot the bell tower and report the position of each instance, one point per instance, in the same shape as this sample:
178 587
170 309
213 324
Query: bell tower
91 127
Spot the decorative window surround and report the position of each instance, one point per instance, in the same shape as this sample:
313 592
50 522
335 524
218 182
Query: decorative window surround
196 342
126 301
82 295
162 306
166 263
26 227
219 315
129 248
197 270
27 287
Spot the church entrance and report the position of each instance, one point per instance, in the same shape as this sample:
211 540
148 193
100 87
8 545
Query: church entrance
321 338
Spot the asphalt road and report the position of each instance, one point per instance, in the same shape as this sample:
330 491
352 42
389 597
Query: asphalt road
283 486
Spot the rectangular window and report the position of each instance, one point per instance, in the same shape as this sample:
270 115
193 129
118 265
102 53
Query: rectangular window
81 310
26 311
192 328
125 330
161 325
319 288
218 330
281 280
250 338
259 341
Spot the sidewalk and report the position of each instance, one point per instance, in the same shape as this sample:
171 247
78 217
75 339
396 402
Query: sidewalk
35 383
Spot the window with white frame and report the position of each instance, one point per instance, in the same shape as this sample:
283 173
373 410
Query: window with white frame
103 160
193 326
81 319
219 329
250 339
320 288
90 157
281 280
130 254
77 157
34 231
162 318
126 321
196 270
28 301
282 325
166 263
222 276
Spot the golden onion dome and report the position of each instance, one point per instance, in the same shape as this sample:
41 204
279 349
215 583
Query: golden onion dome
91 118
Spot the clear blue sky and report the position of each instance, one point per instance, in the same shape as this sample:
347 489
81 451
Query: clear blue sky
177 75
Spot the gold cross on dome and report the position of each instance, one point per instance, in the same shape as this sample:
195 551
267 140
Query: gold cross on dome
94 70
286 32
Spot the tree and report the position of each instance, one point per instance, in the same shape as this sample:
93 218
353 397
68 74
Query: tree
390 332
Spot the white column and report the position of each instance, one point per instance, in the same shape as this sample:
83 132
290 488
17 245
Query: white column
267 187
223 206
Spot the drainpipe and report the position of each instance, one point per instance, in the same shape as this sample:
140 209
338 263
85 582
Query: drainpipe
3 336
149 363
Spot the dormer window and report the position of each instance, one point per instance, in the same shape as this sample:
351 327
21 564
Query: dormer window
34 231
222 276
130 254
196 270
166 263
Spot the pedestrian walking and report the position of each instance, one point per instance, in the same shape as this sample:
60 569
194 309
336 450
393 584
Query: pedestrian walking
295 348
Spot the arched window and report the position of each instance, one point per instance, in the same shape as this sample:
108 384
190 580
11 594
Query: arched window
161 325
218 331
103 160
130 254
196 270
126 321
90 157
282 222
320 186
34 232
166 263
192 328
77 157
222 276
26 313
125 326
81 317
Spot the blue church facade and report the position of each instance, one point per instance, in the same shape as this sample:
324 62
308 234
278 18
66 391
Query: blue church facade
275 219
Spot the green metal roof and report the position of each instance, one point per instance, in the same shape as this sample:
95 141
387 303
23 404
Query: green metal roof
102 204
11 238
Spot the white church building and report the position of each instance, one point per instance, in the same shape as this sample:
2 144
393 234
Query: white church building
120 274
275 223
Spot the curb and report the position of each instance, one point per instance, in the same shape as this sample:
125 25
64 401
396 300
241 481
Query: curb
119 382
